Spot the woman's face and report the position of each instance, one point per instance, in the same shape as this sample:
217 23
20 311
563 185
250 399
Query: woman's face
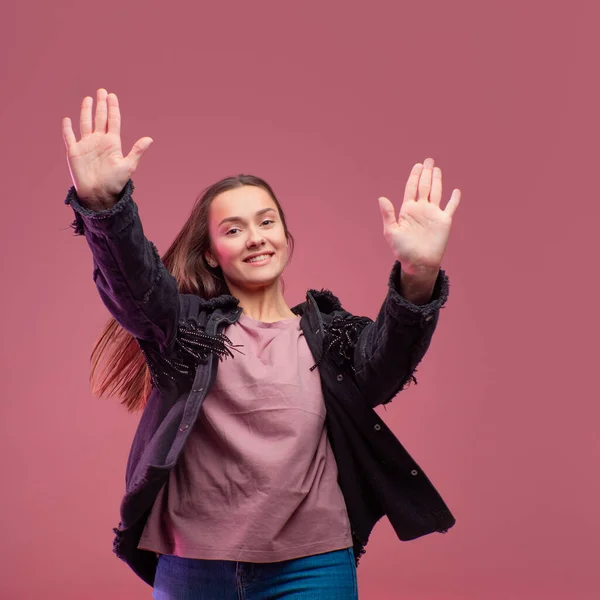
244 221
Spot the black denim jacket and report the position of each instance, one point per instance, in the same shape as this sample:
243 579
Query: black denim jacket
362 364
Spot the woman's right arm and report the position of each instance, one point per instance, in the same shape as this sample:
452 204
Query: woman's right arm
132 281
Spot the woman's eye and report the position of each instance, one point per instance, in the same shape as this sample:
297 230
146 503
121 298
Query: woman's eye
235 228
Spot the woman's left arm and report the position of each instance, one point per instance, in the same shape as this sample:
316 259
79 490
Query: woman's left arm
389 349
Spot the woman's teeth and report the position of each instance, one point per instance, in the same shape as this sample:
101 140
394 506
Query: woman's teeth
259 258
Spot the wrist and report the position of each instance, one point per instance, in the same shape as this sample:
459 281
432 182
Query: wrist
417 286
419 271
97 202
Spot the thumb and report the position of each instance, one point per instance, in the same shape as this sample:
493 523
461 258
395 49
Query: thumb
387 212
138 150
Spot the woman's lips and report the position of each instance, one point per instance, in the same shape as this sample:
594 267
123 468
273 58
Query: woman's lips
259 263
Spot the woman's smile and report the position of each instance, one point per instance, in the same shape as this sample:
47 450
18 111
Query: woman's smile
261 262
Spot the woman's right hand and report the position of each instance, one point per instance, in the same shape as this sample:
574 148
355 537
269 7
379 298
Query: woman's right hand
98 168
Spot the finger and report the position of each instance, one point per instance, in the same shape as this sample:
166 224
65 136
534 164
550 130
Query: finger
85 117
425 179
138 150
100 120
387 212
453 202
435 196
114 114
67 131
410 191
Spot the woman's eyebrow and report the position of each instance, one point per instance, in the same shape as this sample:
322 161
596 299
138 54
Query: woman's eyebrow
260 212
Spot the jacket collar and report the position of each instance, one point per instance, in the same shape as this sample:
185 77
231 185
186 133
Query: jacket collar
325 300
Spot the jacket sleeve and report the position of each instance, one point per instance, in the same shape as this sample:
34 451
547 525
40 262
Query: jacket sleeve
129 274
389 348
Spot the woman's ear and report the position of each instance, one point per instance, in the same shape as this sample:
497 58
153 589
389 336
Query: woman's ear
209 259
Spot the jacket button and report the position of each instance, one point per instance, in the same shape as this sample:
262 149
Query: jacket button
377 426
428 317
183 428
414 472
197 390
340 377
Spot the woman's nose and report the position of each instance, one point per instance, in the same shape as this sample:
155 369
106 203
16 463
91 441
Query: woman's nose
255 238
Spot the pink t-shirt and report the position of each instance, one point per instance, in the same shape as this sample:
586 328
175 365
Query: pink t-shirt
257 479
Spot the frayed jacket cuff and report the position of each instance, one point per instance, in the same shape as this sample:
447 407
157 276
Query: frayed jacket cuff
102 221
404 309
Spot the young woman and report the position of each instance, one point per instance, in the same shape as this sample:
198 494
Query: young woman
253 474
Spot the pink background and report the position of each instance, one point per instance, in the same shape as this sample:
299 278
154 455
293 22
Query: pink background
332 104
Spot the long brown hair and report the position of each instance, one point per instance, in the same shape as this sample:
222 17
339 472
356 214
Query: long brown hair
117 363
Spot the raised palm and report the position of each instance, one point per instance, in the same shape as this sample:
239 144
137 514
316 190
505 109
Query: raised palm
419 236
96 162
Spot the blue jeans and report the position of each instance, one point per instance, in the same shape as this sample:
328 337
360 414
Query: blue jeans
326 576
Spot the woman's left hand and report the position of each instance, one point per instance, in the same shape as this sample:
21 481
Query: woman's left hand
419 237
